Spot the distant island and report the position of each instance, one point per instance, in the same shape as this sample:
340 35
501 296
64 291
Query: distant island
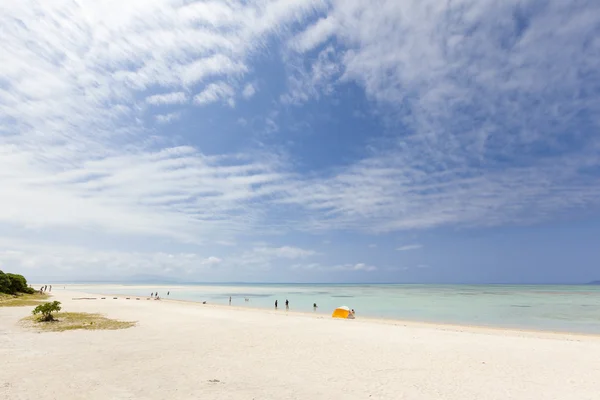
594 283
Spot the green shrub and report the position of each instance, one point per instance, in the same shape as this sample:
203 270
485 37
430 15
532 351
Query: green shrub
4 283
46 310
30 290
18 283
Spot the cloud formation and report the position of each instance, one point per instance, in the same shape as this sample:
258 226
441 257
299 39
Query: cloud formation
472 93
488 112
409 247
215 92
167 98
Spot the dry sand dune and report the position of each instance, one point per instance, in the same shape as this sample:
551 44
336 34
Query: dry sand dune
189 351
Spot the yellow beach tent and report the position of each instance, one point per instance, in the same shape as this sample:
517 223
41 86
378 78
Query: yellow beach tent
341 312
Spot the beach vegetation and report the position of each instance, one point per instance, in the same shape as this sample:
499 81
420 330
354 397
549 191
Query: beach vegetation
4 282
22 300
18 283
46 311
13 284
68 321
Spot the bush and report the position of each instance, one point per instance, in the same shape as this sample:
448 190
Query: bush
46 310
18 283
4 283
30 290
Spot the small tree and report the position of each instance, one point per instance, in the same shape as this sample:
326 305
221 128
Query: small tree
46 310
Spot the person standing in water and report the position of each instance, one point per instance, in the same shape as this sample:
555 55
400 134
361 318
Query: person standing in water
229 300
315 306
276 304
287 304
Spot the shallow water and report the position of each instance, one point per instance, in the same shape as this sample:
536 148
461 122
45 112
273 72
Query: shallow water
541 307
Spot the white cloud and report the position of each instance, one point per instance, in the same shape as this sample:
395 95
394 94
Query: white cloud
305 84
324 268
166 118
249 90
167 98
214 92
211 261
314 35
355 267
372 246
212 66
481 140
77 262
307 267
189 196
475 134
409 247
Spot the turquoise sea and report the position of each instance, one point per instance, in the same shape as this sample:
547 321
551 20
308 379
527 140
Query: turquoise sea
538 307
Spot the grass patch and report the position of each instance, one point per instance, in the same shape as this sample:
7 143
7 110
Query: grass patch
69 321
21 299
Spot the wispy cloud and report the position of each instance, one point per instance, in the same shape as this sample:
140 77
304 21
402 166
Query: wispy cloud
314 35
319 79
477 138
249 91
355 267
359 267
214 92
408 247
190 195
166 118
73 149
76 262
167 98
488 109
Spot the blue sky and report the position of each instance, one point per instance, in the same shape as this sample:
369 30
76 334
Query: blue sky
301 140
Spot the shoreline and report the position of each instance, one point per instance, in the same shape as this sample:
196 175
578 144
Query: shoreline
442 326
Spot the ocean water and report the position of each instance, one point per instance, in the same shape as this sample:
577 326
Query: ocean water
538 307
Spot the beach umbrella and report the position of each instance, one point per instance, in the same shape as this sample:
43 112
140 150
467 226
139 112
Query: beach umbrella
341 312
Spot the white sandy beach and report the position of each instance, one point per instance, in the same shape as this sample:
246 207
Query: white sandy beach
178 348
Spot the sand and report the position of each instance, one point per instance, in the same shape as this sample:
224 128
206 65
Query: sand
182 350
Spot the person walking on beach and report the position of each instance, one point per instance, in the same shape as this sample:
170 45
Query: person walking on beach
50 288
287 304
152 294
276 304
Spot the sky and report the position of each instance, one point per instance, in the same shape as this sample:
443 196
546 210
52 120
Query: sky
300 140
